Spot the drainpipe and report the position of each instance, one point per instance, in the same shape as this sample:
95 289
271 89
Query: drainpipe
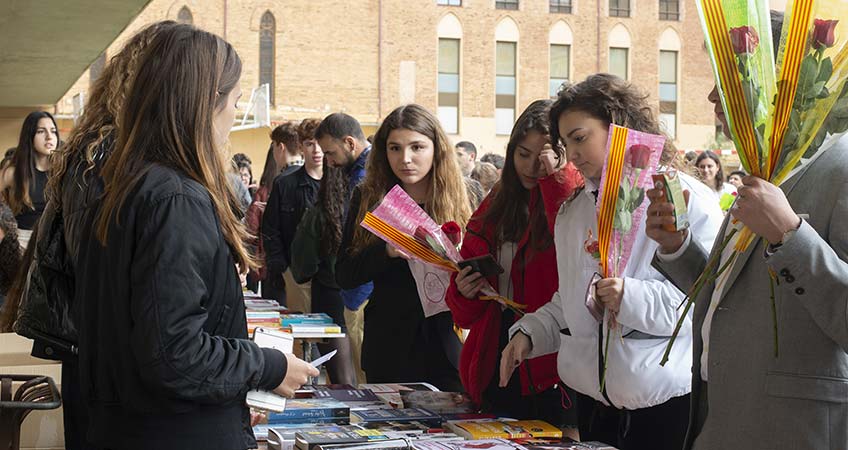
598 37
379 59
225 20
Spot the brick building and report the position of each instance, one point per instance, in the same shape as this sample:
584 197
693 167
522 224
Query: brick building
477 63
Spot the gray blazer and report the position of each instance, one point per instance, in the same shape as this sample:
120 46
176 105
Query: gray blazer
799 399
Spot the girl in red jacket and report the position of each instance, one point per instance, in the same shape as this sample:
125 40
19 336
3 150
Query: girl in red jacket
514 225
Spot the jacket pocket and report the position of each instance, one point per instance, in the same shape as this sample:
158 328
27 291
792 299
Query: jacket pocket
809 387
223 326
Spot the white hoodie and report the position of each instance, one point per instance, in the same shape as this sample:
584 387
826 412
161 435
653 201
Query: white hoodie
648 313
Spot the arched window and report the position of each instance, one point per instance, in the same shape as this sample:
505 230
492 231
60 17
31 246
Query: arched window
560 38
619 52
670 46
267 32
184 16
450 37
506 76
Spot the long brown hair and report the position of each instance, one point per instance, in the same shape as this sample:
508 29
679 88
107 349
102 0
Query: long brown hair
447 196
331 201
183 77
509 211
101 116
23 162
613 100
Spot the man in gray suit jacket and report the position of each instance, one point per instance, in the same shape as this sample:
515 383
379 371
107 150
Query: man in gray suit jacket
744 396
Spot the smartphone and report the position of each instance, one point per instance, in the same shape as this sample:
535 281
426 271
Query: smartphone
485 265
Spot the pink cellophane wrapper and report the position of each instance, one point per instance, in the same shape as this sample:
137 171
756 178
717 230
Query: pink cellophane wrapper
622 244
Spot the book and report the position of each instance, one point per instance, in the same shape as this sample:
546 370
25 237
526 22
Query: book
347 395
312 410
513 429
566 444
313 328
308 440
388 444
312 318
282 436
439 402
390 392
266 400
397 415
477 444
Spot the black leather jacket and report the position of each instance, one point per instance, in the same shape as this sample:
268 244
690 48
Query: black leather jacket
164 359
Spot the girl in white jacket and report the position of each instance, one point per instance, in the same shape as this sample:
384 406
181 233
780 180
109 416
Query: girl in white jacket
643 405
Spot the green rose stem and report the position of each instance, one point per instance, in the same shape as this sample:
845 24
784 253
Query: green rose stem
705 278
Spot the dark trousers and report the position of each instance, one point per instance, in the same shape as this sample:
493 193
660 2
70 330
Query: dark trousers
660 427
274 288
74 414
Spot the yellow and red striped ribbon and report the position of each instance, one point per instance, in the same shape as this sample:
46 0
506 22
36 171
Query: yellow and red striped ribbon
793 55
407 243
606 214
725 59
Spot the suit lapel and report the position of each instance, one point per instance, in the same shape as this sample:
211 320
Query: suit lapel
742 259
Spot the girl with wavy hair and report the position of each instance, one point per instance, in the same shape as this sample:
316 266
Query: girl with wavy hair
410 149
643 405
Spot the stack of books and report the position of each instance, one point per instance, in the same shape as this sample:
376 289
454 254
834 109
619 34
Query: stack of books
315 323
262 313
262 319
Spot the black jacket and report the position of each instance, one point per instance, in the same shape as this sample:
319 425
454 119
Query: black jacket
164 359
399 343
291 195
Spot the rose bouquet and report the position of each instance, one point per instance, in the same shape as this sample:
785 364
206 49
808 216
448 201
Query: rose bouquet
632 158
782 113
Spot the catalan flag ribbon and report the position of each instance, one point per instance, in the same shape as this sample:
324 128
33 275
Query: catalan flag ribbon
782 112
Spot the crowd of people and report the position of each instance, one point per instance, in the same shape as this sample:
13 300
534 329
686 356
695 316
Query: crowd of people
162 231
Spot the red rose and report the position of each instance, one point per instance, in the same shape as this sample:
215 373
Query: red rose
744 40
638 156
453 232
823 33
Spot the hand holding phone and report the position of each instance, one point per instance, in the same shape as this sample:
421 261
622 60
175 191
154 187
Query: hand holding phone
485 265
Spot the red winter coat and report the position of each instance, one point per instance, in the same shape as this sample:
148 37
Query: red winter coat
534 281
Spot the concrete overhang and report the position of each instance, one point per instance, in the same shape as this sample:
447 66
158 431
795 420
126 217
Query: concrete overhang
45 45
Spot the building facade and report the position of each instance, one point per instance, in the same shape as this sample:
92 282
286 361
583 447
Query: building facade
477 63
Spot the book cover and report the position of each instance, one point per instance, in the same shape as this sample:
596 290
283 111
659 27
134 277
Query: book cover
282 436
478 444
312 328
308 440
566 444
312 409
439 402
312 318
397 415
389 444
518 429
347 395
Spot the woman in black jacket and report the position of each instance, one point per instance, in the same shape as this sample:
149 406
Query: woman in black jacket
409 149
164 356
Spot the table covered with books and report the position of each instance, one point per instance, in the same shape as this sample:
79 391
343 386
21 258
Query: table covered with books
404 416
